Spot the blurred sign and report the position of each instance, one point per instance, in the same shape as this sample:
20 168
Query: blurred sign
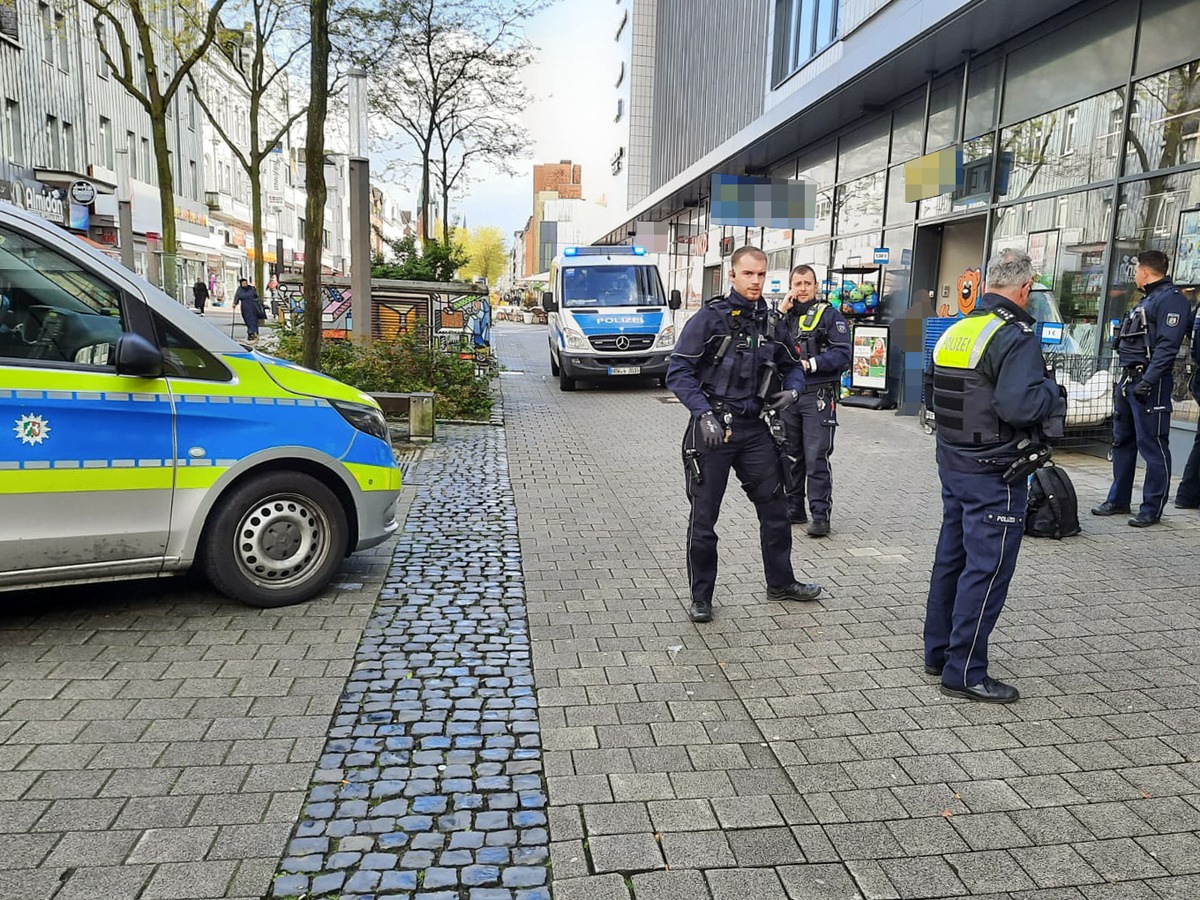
83 192
882 256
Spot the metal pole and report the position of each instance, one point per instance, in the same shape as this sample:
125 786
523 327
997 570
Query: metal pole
360 209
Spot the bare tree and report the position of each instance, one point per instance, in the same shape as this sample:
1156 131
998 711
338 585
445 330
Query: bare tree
440 65
165 34
260 57
314 179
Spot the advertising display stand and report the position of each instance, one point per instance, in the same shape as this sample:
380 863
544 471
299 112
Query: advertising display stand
855 291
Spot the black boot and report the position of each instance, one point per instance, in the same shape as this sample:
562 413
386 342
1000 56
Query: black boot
700 612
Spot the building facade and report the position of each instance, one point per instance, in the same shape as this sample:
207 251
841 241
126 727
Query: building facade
1077 126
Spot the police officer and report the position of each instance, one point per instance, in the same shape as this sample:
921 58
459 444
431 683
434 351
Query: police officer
1188 494
1146 343
990 393
822 339
721 370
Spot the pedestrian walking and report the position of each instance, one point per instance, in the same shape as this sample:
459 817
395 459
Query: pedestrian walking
1146 343
993 400
252 310
1188 494
822 340
733 363
199 294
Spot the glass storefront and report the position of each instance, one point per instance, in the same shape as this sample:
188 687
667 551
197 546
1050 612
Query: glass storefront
1079 142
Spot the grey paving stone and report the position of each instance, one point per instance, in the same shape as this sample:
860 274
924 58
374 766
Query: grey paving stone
676 885
682 815
989 871
745 884
746 812
89 849
597 887
697 850
110 882
818 882
616 818
1055 866
189 880
765 847
1120 859
625 853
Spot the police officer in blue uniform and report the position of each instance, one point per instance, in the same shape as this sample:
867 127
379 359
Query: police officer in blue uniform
822 340
992 399
733 365
1147 342
1188 494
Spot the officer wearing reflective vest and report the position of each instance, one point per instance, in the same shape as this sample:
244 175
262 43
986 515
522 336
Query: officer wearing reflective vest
822 339
1147 342
732 365
991 399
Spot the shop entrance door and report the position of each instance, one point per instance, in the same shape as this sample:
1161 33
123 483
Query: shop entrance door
947 273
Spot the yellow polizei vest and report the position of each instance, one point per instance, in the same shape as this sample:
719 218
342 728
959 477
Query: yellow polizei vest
813 316
963 343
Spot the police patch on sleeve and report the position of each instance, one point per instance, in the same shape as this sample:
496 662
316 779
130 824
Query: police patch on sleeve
841 326
1172 319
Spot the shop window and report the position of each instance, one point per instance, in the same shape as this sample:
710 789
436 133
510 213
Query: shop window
908 131
943 114
1060 150
1164 125
898 209
1067 237
1167 36
982 93
896 287
859 205
855 251
1160 213
978 163
1081 59
819 165
864 150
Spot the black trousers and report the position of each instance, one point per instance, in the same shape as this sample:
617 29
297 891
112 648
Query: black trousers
1188 492
750 453
811 422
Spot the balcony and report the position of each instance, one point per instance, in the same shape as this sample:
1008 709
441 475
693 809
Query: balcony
213 200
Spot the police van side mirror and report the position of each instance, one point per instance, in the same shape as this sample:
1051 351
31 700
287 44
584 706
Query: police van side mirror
548 303
676 300
138 358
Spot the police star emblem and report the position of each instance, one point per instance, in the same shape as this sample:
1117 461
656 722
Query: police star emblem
32 429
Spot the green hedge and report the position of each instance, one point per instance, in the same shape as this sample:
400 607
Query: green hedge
403 365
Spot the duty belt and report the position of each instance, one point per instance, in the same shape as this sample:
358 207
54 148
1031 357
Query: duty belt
810 388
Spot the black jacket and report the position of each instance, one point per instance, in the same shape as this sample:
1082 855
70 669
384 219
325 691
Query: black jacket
1022 395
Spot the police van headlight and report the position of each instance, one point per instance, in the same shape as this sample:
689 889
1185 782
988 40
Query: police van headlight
575 339
366 419
666 338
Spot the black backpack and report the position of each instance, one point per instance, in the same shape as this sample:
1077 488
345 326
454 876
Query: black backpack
1053 511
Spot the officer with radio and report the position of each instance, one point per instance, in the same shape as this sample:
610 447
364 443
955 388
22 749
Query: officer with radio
1147 342
994 401
733 367
822 339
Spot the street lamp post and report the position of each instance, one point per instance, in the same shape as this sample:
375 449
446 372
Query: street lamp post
360 209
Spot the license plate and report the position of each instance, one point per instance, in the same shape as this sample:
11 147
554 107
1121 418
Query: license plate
624 370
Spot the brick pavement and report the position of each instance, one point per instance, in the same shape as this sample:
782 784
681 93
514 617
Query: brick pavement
797 750
156 740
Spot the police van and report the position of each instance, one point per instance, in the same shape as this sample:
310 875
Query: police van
138 440
608 316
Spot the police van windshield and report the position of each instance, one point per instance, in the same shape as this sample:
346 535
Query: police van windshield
585 286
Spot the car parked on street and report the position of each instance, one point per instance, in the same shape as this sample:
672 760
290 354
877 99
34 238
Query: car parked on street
138 440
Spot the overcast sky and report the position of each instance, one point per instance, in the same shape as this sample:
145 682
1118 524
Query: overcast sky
572 82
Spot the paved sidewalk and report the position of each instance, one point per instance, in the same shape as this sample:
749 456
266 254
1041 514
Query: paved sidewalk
797 750
157 739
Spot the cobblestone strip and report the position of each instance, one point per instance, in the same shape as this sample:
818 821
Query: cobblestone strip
431 780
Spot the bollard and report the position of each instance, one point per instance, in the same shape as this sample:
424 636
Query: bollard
420 417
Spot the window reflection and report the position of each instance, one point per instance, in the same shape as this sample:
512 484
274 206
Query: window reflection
1164 126
1066 236
1063 149
860 204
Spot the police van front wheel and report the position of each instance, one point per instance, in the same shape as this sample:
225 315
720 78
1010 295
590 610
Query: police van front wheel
565 382
277 540
554 370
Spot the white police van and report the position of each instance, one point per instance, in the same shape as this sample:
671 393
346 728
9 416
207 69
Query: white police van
608 316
